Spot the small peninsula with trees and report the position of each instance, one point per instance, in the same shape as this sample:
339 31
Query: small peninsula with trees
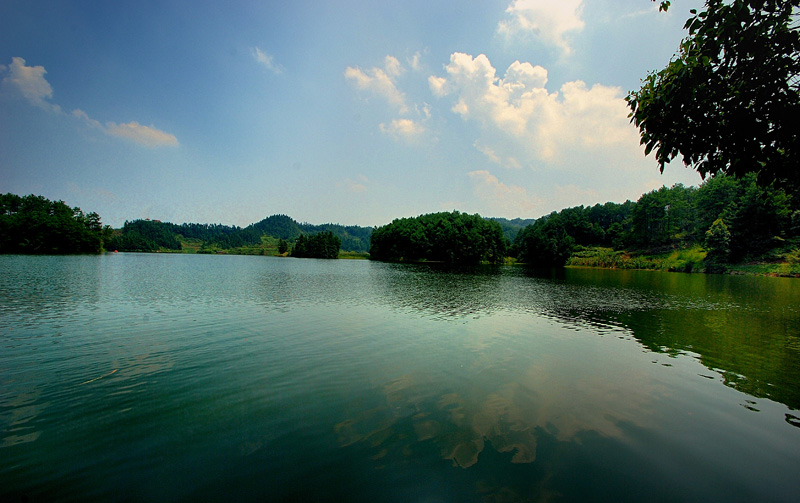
440 237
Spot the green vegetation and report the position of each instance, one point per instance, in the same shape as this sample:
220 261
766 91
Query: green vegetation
320 245
35 225
512 227
684 260
145 236
725 221
727 224
551 240
728 101
272 236
440 237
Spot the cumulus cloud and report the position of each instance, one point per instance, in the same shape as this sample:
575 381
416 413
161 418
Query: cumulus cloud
438 85
403 128
548 20
502 199
267 60
518 110
380 81
147 136
29 82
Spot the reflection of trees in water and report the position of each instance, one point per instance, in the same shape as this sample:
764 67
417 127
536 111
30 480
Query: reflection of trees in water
446 292
745 328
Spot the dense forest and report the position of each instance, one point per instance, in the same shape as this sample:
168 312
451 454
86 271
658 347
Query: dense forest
733 219
320 245
443 237
35 225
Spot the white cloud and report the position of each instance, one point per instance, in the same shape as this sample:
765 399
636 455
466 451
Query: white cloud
403 128
380 81
267 60
550 20
502 199
414 61
147 136
393 66
519 112
357 185
80 114
496 158
29 82
438 85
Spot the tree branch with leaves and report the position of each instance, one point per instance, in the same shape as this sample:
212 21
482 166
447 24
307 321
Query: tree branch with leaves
728 101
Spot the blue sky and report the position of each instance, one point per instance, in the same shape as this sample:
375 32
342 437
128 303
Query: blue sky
352 112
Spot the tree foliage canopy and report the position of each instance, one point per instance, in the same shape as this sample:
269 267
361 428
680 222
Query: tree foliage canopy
749 219
321 245
453 238
728 102
35 225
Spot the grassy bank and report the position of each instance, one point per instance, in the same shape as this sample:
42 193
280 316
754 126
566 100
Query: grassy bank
779 263
684 260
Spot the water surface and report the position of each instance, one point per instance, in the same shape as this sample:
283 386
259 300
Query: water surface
184 377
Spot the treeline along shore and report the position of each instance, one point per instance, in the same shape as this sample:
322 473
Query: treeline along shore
727 224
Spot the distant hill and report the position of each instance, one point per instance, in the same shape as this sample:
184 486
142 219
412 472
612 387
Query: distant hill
512 227
153 235
354 238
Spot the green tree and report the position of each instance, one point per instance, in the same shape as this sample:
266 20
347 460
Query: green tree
718 240
662 217
35 225
442 237
759 219
728 101
146 236
320 245
546 242
283 246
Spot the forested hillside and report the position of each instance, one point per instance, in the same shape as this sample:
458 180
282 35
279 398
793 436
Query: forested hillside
512 227
734 219
153 235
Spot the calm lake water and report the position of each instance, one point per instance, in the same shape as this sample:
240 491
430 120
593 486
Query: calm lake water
134 377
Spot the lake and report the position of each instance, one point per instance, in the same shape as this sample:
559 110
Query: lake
134 377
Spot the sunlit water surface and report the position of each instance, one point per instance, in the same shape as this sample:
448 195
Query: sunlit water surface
186 377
